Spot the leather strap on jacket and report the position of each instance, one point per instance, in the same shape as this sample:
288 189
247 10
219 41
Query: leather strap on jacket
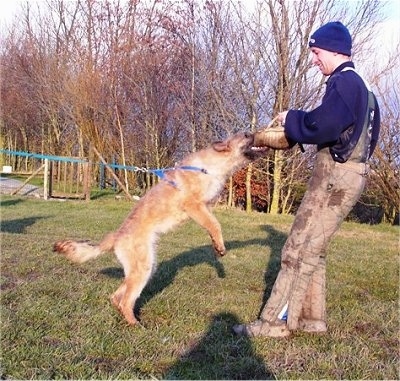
360 153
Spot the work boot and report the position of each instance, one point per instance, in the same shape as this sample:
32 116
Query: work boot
312 326
262 328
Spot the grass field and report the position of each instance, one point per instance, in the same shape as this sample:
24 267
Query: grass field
57 322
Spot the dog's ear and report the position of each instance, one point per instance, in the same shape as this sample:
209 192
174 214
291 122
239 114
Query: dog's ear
221 146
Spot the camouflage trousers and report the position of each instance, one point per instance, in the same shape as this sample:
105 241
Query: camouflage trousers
333 190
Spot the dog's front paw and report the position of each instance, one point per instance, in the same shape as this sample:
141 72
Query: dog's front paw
219 251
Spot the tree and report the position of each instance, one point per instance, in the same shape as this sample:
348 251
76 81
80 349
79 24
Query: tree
384 189
147 82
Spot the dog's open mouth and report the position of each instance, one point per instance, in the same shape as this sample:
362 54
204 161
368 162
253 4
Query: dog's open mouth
259 148
253 151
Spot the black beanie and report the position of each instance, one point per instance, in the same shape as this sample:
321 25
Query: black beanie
333 36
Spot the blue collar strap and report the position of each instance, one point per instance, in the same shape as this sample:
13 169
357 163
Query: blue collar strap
191 168
161 172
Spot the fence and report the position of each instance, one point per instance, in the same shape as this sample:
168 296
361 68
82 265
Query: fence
71 177
62 176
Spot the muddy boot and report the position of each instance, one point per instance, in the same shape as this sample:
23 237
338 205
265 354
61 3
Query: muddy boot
312 326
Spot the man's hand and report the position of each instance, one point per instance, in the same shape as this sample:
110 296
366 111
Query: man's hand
281 118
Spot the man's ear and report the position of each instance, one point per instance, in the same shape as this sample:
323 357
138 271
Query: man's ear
221 146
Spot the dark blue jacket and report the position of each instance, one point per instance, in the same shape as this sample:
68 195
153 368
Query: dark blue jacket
338 122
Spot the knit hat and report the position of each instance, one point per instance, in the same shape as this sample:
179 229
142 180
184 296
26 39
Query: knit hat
333 36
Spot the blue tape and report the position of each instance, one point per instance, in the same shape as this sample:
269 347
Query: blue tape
40 156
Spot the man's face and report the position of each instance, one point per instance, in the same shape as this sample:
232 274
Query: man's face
324 59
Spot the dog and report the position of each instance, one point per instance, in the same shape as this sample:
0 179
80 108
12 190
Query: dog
185 192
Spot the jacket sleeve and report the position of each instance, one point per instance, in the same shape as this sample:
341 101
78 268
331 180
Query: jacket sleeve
321 125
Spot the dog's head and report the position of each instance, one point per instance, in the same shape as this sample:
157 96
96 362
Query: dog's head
241 145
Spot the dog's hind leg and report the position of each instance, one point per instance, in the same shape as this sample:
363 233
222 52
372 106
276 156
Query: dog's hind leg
117 296
125 297
137 261
135 284
120 299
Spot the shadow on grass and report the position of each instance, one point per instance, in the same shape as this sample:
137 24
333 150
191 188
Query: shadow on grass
18 226
275 240
99 194
167 270
4 203
220 355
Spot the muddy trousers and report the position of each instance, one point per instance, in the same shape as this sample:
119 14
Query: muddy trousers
332 192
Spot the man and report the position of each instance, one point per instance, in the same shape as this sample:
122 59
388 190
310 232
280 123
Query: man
345 128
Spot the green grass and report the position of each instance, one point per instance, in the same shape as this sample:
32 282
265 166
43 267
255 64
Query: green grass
57 322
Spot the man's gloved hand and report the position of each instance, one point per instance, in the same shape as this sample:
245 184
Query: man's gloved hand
273 137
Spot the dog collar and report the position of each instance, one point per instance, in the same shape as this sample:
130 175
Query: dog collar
161 172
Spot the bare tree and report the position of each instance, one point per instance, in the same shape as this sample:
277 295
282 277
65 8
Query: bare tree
147 82
384 187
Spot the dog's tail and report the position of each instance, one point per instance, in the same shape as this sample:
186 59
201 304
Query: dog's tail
80 252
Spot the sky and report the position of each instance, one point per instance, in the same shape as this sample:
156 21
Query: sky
390 29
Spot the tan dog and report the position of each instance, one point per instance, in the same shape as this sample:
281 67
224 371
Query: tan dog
186 192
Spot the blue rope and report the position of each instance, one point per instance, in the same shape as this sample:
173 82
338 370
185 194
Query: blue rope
158 172
128 167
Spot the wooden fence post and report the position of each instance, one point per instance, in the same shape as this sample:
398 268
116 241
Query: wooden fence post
51 183
113 174
86 180
46 180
